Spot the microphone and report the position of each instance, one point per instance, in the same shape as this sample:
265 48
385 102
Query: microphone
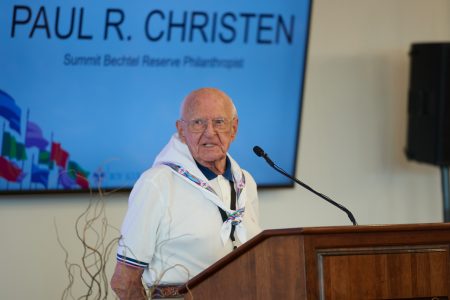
260 153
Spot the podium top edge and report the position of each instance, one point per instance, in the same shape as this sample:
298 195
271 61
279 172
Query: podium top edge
357 228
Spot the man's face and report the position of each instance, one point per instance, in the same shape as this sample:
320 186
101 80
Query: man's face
208 146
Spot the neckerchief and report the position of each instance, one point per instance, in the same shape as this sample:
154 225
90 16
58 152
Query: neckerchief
235 217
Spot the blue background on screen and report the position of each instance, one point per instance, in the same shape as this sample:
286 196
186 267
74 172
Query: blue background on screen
112 120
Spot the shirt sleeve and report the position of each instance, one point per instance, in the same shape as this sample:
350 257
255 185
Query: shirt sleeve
140 227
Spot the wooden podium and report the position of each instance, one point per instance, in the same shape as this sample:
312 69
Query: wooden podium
348 262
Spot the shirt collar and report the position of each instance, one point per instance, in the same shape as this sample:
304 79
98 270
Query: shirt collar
210 175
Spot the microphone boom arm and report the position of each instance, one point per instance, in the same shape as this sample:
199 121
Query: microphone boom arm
259 152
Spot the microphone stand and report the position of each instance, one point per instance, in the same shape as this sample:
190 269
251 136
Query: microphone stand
260 152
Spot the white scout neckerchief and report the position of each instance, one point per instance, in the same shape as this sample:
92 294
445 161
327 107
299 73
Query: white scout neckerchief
235 217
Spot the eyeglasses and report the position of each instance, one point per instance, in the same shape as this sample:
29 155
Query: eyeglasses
200 125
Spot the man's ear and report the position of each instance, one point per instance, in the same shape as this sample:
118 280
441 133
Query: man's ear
180 130
234 128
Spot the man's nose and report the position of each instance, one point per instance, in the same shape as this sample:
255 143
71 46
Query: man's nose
210 128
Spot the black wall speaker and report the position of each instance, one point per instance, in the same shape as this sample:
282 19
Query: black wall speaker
428 138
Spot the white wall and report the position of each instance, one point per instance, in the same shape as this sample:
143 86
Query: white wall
353 129
351 145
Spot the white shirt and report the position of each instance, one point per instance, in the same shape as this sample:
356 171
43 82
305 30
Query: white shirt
173 226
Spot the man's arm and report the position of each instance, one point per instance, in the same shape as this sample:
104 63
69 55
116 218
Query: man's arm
126 282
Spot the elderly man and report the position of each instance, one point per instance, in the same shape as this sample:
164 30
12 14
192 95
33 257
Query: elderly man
194 206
